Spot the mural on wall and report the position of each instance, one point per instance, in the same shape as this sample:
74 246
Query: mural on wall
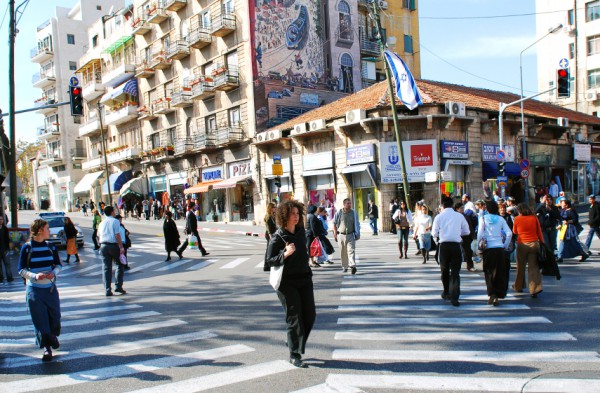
287 49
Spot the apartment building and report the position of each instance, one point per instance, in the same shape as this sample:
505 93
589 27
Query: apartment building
60 44
212 74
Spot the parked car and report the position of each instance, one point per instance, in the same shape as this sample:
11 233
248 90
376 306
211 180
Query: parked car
56 222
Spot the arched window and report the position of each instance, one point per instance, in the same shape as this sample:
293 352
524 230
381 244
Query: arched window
345 22
343 7
346 71
346 60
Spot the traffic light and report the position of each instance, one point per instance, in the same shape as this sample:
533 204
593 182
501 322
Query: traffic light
562 83
501 171
76 101
278 182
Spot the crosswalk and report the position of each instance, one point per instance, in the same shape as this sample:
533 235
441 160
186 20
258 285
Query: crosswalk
134 331
392 314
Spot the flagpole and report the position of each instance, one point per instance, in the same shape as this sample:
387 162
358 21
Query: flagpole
392 102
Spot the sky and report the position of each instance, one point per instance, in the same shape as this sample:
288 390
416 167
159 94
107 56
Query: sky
465 42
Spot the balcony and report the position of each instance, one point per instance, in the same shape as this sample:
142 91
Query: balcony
93 88
40 102
119 74
178 50
43 79
202 88
140 26
344 37
182 98
229 135
199 38
175 5
143 70
78 154
159 61
163 106
48 133
369 46
223 24
156 13
92 127
40 55
93 163
183 146
121 115
145 113
204 141
226 78
52 159
129 153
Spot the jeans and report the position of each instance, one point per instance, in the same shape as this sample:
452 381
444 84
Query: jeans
373 224
6 264
110 253
590 236
44 307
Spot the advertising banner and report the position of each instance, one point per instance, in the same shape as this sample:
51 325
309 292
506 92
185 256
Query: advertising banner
420 157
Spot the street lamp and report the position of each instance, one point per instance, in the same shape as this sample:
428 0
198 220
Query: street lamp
552 30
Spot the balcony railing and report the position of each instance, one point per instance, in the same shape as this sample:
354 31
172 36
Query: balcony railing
43 79
46 133
162 106
119 73
94 87
159 61
143 69
145 113
204 141
223 24
91 127
92 163
140 26
39 55
182 98
178 49
155 13
344 37
52 159
202 88
227 135
369 46
175 5
126 154
200 37
121 115
40 102
226 78
184 145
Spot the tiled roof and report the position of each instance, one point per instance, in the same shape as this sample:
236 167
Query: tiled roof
433 92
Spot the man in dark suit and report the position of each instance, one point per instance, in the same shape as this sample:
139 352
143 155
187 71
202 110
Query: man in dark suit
191 228
593 221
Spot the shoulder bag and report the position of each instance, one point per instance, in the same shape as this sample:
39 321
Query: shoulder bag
482 243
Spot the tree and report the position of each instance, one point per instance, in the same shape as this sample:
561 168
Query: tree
25 152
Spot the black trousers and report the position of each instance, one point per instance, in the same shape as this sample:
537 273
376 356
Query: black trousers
468 251
494 267
450 260
185 244
298 301
95 238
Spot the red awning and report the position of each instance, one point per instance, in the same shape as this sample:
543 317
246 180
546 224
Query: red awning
201 187
231 182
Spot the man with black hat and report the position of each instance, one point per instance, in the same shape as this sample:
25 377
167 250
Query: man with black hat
593 222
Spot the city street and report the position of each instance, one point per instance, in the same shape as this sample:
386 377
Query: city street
215 324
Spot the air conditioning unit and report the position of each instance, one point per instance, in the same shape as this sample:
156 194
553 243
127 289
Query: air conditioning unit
571 30
318 125
275 134
591 95
562 121
383 5
455 108
261 137
300 128
355 115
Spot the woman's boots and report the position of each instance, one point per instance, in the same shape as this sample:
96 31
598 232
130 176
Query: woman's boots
406 251
400 249
424 254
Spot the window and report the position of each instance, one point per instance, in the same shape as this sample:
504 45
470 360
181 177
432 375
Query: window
409 4
594 78
345 21
408 44
76 166
95 41
571 17
234 117
99 7
211 124
171 135
155 140
571 51
592 11
228 6
72 65
593 45
71 39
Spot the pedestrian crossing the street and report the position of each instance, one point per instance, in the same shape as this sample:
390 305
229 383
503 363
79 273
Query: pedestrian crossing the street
135 331
393 314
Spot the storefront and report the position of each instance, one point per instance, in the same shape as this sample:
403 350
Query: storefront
582 154
212 201
285 191
86 186
158 185
593 170
455 167
360 176
238 187
489 167
553 162
317 171
177 183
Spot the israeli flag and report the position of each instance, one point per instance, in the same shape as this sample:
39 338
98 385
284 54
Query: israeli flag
406 88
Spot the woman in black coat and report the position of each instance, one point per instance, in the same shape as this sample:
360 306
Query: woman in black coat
314 228
287 248
171 235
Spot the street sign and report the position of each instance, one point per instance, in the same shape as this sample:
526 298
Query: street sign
277 159
563 63
74 81
430 177
502 181
277 169
524 163
525 173
500 155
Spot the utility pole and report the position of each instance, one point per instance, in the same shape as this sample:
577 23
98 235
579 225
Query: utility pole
392 102
99 109
11 105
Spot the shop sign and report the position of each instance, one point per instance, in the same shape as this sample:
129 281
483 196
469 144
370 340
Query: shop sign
489 152
317 161
582 152
177 179
212 173
420 157
455 149
360 154
240 168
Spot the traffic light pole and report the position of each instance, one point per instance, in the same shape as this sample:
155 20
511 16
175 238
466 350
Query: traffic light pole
11 118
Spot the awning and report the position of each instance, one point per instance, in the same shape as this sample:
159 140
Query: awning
89 64
130 87
85 184
134 187
318 172
231 182
490 169
6 184
118 44
201 187
369 168
117 180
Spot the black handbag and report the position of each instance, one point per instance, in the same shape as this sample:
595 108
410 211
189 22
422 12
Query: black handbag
327 245
547 263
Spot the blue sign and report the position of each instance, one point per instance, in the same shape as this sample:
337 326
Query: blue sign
360 154
500 155
502 181
563 63
489 150
214 174
74 81
276 158
524 164
455 149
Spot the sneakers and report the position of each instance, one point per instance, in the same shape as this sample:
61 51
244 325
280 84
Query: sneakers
109 293
47 355
353 269
121 291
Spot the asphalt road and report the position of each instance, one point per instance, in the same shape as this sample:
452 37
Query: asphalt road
214 324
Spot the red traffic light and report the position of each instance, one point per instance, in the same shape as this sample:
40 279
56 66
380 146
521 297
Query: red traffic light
562 73
76 90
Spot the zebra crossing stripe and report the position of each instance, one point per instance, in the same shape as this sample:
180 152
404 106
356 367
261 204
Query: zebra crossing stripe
432 307
145 266
234 263
350 383
88 321
224 378
463 288
63 305
441 321
399 298
458 336
202 264
99 374
464 281
65 290
172 265
75 312
112 349
260 265
466 356
80 271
